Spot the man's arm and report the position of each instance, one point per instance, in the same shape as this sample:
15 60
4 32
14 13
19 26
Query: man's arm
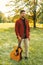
29 30
17 30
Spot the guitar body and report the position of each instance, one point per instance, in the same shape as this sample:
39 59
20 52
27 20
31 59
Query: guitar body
16 54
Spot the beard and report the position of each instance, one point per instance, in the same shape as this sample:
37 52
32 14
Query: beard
23 17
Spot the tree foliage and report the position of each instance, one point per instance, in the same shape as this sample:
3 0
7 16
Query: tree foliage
34 8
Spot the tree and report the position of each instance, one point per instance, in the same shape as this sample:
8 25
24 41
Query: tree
41 13
3 18
32 7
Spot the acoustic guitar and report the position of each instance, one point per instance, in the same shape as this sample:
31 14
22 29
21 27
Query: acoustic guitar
16 54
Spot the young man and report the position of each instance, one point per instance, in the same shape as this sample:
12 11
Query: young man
22 30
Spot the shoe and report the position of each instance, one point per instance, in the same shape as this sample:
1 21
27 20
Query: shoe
21 58
26 57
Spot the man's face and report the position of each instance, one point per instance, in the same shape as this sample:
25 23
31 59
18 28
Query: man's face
23 14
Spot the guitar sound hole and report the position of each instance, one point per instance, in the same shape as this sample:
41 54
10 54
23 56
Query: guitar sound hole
16 53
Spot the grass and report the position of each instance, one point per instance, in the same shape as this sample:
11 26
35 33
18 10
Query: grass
8 40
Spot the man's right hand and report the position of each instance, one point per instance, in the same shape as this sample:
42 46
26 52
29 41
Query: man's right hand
19 38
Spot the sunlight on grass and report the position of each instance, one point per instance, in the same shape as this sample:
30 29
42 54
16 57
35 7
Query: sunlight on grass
8 25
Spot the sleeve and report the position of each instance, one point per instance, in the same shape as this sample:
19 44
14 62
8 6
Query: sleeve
29 30
17 28
28 27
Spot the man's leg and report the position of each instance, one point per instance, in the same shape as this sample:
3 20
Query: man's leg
22 46
26 47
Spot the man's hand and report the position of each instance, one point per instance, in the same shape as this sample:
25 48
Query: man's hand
29 38
19 38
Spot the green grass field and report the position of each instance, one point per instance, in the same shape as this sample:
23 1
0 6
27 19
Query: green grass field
8 40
